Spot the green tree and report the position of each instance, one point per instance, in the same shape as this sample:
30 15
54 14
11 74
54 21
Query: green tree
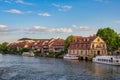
68 40
110 37
117 42
3 48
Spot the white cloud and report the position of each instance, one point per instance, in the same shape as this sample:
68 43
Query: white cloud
23 2
14 11
6 29
37 28
46 29
6 1
16 1
20 1
56 5
81 27
65 8
62 8
3 27
65 30
44 14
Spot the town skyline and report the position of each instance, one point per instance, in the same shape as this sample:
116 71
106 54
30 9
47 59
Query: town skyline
44 19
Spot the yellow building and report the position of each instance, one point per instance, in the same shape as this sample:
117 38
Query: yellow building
86 46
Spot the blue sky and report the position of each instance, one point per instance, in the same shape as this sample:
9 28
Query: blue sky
56 18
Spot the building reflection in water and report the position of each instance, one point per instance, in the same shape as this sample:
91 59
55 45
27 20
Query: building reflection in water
103 70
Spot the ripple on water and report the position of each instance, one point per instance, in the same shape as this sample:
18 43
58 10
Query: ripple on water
32 68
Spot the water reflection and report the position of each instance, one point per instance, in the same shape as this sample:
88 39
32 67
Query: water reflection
0 57
14 67
106 71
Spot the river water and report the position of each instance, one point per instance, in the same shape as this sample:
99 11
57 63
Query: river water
13 67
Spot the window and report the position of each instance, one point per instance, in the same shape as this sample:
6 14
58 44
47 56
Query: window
117 61
103 46
93 46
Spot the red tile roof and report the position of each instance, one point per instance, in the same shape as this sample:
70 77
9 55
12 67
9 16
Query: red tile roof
82 42
57 42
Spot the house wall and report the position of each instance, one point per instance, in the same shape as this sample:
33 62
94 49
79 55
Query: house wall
97 47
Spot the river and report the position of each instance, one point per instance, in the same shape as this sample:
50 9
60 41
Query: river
14 67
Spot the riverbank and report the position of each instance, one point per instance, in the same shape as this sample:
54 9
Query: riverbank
53 55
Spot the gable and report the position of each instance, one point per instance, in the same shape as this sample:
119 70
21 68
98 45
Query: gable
98 39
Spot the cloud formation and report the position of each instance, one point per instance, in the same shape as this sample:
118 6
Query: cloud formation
66 30
3 26
6 29
81 27
23 2
62 8
40 29
16 1
6 1
46 29
44 14
14 11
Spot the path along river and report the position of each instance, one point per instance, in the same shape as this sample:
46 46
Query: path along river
13 67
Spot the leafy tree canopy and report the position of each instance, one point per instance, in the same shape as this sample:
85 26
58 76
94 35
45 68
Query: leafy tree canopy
110 37
3 47
68 40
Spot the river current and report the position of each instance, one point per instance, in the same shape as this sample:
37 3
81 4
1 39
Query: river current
14 67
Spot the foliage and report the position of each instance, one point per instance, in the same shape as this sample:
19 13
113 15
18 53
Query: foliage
38 53
25 50
13 50
55 54
3 48
110 37
68 40
51 55
59 54
118 42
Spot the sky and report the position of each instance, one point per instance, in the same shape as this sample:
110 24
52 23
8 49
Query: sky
44 19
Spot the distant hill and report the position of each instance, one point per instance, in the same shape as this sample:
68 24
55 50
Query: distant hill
24 39
34 39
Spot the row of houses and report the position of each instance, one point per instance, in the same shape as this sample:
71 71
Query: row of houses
41 45
81 46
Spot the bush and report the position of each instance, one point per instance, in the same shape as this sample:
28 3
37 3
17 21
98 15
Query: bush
51 55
